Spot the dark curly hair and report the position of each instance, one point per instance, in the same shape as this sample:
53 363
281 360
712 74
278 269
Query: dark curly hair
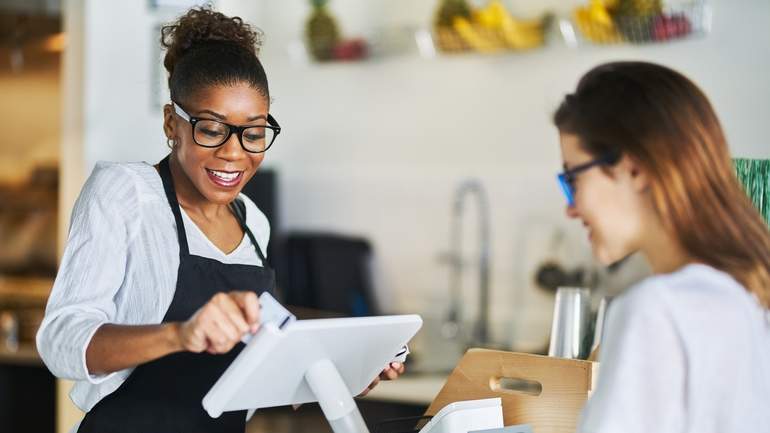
207 48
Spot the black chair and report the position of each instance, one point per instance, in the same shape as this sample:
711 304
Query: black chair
326 271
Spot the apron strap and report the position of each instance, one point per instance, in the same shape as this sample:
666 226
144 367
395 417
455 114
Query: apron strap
168 187
239 210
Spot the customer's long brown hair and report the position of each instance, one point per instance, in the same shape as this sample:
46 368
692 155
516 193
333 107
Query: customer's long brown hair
665 123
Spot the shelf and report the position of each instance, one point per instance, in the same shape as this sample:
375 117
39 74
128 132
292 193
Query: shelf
31 291
25 355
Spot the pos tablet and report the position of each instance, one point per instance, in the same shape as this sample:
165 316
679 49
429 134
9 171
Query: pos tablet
326 360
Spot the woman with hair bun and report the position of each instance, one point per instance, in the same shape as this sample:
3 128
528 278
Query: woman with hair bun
647 169
164 264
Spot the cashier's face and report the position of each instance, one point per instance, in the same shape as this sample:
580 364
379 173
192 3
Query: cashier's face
217 173
609 200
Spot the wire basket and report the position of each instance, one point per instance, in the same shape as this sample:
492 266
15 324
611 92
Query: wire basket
447 40
513 34
598 25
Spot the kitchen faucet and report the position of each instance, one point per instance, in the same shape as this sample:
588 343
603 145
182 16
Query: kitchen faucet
452 325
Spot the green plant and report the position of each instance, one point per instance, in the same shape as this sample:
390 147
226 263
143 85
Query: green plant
754 174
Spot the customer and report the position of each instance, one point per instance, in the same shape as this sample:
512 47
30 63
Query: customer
647 169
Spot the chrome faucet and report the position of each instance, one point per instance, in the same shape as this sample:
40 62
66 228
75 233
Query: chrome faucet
452 325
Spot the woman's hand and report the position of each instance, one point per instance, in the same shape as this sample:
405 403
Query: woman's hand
391 372
221 323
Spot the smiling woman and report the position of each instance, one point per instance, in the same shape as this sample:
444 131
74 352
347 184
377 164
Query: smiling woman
214 157
164 263
647 169
214 73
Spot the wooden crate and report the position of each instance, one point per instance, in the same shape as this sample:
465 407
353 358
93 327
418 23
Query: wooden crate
544 392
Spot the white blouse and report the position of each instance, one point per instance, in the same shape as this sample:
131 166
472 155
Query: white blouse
120 266
683 352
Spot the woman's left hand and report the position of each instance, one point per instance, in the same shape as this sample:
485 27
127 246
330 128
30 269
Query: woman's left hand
391 372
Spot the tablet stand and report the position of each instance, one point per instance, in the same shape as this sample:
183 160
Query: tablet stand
326 360
334 398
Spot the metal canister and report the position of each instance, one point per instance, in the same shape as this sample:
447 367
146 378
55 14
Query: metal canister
571 323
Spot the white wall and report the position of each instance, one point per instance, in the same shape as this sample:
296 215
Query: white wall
376 148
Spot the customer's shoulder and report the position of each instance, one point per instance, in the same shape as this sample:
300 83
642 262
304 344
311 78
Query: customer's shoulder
692 287
693 280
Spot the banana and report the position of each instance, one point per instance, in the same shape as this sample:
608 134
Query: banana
512 32
478 42
594 25
515 33
522 34
497 12
599 13
489 16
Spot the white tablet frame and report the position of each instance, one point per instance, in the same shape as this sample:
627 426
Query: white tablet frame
326 360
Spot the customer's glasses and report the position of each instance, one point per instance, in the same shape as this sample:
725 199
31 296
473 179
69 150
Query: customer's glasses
213 133
567 177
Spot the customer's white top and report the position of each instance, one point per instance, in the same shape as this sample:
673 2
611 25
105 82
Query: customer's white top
120 266
683 352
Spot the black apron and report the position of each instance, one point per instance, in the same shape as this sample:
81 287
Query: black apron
164 396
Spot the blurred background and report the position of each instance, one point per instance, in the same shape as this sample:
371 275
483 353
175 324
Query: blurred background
415 171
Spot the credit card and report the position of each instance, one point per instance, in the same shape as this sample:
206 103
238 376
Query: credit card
401 355
271 311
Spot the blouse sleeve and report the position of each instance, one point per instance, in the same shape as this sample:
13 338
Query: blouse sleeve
91 272
641 384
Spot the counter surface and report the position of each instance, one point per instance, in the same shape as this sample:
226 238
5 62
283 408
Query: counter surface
413 389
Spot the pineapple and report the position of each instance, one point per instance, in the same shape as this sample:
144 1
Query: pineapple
639 8
321 32
634 18
448 9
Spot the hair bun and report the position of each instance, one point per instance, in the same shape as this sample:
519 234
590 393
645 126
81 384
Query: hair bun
200 26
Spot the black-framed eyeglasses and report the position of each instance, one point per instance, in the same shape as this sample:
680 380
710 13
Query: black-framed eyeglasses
213 133
567 177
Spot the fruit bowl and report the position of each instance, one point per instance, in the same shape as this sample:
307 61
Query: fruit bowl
636 21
